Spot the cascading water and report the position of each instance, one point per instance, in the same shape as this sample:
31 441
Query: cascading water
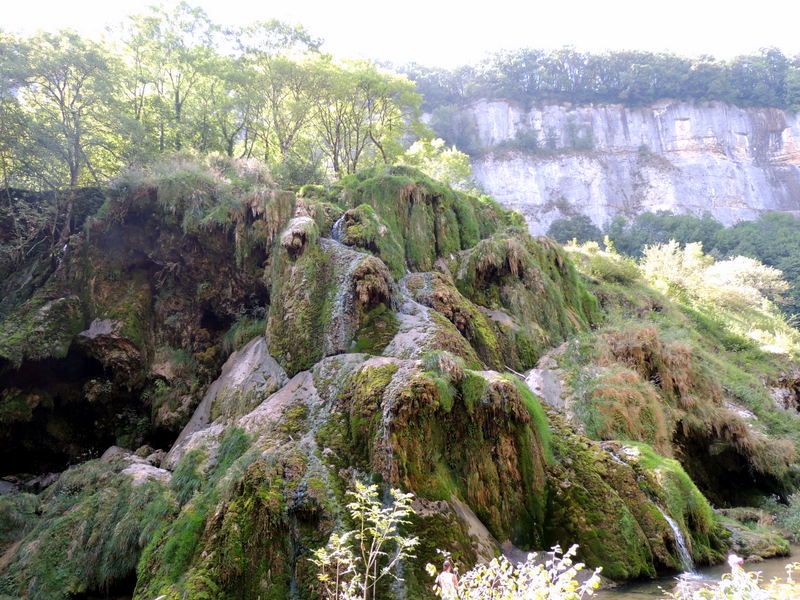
338 229
683 551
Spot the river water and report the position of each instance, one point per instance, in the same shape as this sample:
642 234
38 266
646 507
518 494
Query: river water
653 589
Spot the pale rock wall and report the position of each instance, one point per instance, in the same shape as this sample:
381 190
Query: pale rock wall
735 163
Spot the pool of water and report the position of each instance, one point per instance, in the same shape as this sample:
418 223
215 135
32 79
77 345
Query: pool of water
654 588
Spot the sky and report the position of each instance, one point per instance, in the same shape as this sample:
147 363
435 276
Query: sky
449 33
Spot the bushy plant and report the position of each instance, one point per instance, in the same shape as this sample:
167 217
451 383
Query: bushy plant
742 585
555 579
354 563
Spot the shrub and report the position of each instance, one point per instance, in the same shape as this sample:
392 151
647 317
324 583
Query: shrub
555 579
741 585
353 563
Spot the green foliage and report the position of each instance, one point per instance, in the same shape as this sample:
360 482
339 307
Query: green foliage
242 331
607 266
771 239
354 563
187 477
94 523
633 78
578 227
75 111
742 585
17 516
499 579
740 288
449 166
199 192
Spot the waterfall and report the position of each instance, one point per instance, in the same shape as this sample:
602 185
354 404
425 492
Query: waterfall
683 552
338 229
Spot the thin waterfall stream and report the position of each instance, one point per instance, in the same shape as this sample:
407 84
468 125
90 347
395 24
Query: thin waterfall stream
683 551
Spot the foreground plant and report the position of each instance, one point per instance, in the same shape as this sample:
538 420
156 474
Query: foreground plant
353 563
741 585
555 579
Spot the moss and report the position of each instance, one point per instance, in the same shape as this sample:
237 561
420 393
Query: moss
41 329
93 525
490 456
438 292
378 327
362 228
599 507
420 217
684 502
242 331
18 514
537 286
753 532
297 315
361 399
538 417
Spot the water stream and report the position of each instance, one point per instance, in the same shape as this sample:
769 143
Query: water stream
656 589
687 564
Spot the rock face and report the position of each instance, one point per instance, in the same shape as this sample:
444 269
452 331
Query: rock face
398 317
605 160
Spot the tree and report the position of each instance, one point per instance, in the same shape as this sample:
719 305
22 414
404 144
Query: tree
69 94
579 227
172 53
353 563
12 119
447 165
361 113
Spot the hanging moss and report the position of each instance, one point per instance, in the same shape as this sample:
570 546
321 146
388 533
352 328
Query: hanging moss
298 315
362 228
94 522
535 284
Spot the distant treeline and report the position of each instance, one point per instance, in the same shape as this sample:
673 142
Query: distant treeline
765 79
774 239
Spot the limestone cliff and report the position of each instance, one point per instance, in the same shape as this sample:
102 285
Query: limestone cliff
549 162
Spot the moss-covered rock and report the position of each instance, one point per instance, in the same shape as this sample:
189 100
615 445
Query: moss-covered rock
530 281
322 294
89 531
754 535
410 220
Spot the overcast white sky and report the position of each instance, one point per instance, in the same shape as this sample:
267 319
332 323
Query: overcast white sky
448 33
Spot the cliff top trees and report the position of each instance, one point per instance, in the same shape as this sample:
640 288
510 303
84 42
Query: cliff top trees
766 78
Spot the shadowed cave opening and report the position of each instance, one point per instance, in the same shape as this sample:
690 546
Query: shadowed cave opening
724 475
121 589
58 412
